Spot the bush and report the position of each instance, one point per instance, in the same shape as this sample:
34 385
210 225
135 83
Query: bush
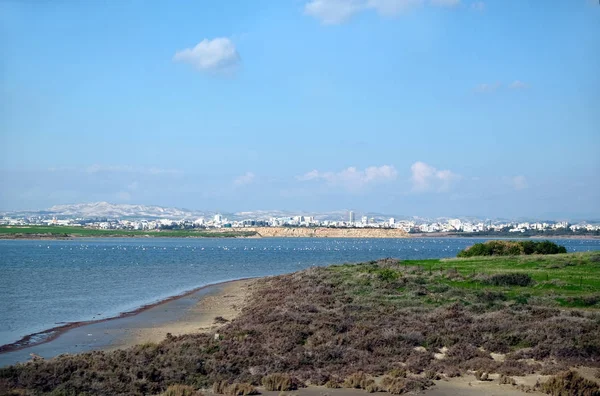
398 386
388 275
570 383
358 381
332 384
220 387
510 279
506 380
279 382
511 248
181 390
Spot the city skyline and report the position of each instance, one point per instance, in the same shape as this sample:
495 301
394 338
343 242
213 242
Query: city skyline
424 107
99 210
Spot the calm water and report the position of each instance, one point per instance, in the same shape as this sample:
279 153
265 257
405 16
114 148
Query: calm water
45 283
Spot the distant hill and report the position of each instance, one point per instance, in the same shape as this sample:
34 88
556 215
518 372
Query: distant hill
108 210
112 211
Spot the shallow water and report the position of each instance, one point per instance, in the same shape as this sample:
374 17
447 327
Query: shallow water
46 283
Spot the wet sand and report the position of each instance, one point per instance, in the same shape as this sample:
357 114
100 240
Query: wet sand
191 312
226 302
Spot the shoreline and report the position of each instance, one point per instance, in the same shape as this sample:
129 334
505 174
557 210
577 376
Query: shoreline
53 333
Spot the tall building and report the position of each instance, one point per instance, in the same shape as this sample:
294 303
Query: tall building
218 218
392 221
351 215
364 220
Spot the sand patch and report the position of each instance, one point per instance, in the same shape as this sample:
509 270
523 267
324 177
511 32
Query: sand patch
226 303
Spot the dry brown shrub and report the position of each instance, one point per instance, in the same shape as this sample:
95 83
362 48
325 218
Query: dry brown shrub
517 368
333 384
358 381
398 386
279 382
372 388
220 387
397 373
570 383
181 390
506 380
481 375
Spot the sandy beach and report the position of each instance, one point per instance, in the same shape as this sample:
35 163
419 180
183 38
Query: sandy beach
226 302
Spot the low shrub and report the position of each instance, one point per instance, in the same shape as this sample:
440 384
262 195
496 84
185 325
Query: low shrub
506 380
397 373
358 381
511 248
398 386
220 387
279 382
333 384
570 383
181 390
510 279
481 375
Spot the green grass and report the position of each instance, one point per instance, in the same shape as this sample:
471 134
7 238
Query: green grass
565 280
67 231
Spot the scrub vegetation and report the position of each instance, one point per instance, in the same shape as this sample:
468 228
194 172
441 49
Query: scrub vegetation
404 323
512 248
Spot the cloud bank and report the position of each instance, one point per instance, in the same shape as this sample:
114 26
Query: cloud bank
218 54
332 12
425 177
352 178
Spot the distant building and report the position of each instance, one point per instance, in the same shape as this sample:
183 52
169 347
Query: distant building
392 221
351 217
218 218
364 220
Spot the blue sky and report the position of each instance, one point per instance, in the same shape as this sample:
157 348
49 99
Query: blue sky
411 107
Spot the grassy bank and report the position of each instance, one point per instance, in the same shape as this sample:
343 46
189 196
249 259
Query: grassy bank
410 320
66 231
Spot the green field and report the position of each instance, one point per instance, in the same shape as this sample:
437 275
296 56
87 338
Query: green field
568 280
67 231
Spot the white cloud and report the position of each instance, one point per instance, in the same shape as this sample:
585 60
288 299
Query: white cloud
487 88
393 7
353 178
246 178
519 182
331 12
218 54
518 85
478 6
425 177
445 3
